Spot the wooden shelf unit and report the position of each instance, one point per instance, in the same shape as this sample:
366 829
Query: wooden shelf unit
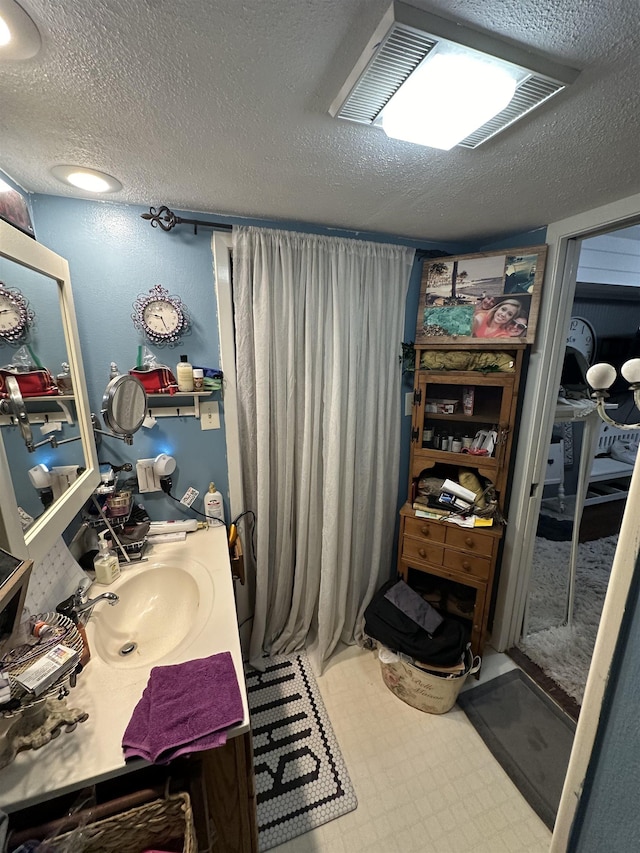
443 551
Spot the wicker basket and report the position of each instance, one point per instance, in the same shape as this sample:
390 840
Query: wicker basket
165 824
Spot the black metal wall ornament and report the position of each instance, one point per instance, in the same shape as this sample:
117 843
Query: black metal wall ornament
166 220
162 317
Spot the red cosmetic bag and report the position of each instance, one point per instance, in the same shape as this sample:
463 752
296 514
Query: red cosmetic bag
158 380
32 383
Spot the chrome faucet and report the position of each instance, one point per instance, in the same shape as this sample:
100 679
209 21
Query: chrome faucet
82 606
78 603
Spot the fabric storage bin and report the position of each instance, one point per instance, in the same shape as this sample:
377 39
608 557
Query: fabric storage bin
164 824
424 690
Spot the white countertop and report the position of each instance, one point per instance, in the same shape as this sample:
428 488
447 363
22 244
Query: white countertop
109 693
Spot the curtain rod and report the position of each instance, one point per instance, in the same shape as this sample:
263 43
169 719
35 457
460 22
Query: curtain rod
166 220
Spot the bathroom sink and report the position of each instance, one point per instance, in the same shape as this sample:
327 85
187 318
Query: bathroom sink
162 607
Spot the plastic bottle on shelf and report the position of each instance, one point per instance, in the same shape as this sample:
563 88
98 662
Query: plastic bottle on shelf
213 506
198 379
184 374
106 565
63 380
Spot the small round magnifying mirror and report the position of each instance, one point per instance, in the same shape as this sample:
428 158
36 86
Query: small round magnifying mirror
124 405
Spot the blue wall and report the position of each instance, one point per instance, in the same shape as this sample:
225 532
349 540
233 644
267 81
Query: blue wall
114 255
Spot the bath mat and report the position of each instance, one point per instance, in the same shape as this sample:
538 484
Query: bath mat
527 733
301 778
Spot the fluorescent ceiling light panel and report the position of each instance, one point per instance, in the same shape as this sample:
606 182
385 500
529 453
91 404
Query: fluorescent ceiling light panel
19 36
398 82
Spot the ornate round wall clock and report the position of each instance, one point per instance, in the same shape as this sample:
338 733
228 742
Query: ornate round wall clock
15 315
582 336
162 317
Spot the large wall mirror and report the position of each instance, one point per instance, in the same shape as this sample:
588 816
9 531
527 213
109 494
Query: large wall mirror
38 480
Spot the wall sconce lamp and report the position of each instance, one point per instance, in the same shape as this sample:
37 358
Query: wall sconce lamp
435 82
602 376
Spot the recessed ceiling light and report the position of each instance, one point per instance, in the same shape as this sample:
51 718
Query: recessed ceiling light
90 180
19 36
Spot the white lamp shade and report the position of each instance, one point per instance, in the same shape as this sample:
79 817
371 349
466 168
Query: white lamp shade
631 370
601 376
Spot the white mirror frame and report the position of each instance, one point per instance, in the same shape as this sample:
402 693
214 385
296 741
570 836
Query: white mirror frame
38 540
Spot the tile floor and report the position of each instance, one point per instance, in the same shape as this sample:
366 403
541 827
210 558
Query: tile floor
424 782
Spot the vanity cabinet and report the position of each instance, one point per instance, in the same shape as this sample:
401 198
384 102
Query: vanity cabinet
454 567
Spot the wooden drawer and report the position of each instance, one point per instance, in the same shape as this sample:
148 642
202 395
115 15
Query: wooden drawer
466 563
423 528
469 540
416 549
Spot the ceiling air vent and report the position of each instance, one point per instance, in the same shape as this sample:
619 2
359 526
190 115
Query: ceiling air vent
406 36
394 60
530 94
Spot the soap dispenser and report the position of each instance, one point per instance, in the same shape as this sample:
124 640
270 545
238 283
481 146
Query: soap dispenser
106 565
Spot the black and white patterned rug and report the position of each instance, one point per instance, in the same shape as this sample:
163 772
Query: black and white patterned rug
301 778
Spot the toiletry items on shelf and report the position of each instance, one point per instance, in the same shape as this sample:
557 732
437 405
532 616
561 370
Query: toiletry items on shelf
198 379
184 374
63 380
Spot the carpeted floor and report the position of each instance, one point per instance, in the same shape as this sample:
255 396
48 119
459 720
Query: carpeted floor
528 735
301 778
564 653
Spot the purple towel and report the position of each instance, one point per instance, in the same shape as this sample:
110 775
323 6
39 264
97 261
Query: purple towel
184 708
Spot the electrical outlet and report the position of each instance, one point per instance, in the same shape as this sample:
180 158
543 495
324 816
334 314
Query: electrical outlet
209 416
148 480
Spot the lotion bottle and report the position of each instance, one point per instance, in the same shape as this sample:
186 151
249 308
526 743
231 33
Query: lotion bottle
213 506
184 374
106 564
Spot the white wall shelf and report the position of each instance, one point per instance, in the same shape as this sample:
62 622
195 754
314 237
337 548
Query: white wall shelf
61 415
176 409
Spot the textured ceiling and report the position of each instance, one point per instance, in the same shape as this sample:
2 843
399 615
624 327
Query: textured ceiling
221 106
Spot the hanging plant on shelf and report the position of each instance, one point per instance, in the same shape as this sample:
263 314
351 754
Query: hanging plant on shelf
408 357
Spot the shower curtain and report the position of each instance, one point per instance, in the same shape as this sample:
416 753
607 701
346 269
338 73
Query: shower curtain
318 324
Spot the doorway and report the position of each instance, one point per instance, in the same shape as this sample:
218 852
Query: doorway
539 402
560 621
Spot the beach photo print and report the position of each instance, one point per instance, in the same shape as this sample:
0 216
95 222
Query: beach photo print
485 296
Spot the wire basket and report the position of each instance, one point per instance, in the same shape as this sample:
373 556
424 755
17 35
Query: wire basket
17 660
164 824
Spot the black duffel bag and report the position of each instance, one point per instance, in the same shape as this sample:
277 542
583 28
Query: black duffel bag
387 624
